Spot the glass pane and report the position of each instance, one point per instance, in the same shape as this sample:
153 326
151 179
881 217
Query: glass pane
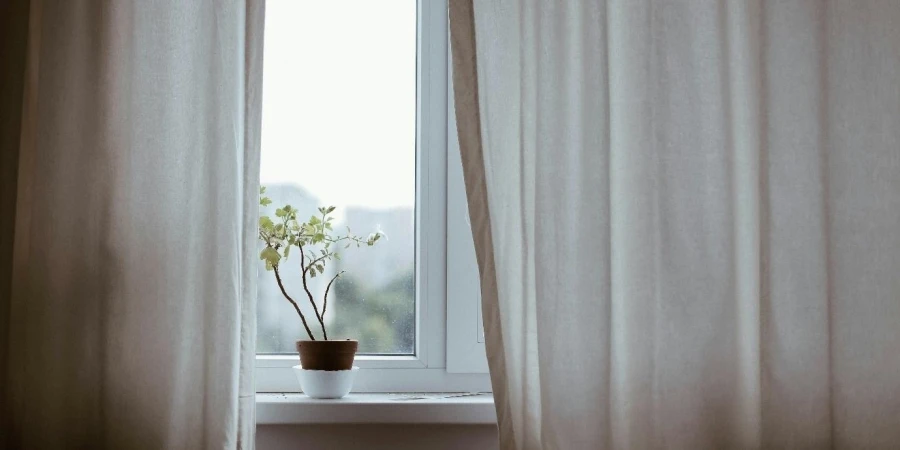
339 128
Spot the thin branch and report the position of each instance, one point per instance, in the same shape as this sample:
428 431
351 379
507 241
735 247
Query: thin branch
308 293
307 266
344 238
325 302
296 307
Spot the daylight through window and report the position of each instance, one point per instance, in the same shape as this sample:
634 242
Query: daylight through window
339 128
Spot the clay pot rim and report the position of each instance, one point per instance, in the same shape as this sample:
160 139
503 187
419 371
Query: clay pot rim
327 355
318 342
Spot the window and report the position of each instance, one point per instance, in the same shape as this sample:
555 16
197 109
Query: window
339 128
355 115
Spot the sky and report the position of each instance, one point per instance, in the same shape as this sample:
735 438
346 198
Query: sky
339 100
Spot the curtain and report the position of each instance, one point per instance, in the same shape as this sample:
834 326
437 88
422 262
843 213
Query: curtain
129 195
687 219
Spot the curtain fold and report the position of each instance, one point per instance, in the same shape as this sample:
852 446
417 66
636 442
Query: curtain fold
687 219
13 50
131 305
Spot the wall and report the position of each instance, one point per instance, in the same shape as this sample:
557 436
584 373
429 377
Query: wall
376 437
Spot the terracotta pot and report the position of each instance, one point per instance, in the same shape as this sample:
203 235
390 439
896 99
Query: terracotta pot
327 355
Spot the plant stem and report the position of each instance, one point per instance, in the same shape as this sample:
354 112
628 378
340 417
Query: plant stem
296 307
327 288
308 293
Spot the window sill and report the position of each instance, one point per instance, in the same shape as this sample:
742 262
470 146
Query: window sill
289 408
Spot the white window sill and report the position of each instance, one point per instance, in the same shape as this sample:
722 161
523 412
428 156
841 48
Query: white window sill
456 408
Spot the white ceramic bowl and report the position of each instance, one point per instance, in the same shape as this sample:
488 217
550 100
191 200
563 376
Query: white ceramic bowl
325 383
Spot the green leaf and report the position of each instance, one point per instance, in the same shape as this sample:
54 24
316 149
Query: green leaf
270 256
262 190
279 212
312 272
266 223
373 238
287 251
265 201
330 210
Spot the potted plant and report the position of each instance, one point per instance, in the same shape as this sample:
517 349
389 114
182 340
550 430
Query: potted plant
317 244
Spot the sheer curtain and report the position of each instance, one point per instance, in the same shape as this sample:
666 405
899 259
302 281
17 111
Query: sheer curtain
687 219
130 177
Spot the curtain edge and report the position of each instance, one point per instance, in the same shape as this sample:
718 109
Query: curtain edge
254 35
468 125
19 195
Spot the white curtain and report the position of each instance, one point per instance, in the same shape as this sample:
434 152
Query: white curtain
687 218
129 198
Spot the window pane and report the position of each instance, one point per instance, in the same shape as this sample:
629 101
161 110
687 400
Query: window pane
338 128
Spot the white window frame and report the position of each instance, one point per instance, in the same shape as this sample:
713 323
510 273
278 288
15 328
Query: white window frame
448 355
